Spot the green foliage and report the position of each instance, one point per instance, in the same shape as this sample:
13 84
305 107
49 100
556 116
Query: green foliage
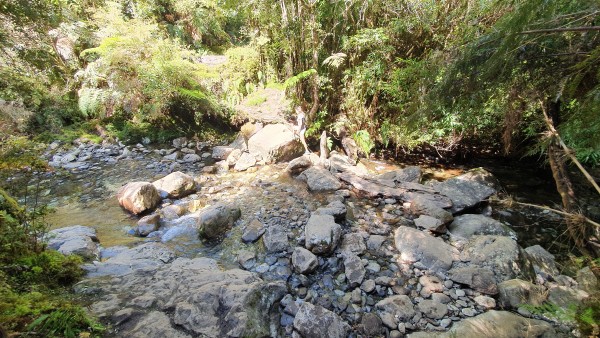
364 142
294 80
67 322
18 152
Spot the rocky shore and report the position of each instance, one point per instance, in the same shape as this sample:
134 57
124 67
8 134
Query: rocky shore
310 247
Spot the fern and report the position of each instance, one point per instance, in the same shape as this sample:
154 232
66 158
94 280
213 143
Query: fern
294 80
91 101
363 140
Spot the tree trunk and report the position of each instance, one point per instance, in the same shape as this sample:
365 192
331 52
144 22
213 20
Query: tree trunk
315 62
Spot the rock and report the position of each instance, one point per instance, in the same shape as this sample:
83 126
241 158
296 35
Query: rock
245 161
74 240
336 209
274 142
201 300
253 231
371 325
408 174
465 226
300 164
173 156
246 259
147 256
565 297
350 148
138 197
417 246
354 270
317 322
322 234
374 242
368 286
430 284
215 220
220 153
481 176
319 179
542 261
155 325
275 239
147 224
222 167
499 254
465 194
515 292
440 298
234 156
425 206
395 309
587 281
175 185
191 158
478 279
339 163
485 302
354 243
430 223
432 309
180 142
497 324
304 261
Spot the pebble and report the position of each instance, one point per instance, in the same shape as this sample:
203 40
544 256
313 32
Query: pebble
469 312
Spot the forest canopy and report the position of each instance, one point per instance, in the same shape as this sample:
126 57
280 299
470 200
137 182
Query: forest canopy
442 75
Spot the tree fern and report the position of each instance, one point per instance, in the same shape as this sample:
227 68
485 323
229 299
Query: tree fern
91 101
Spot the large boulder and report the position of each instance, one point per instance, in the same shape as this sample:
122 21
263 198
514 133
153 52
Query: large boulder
74 240
500 254
320 179
417 246
317 322
465 226
138 197
497 324
175 185
322 234
214 221
274 142
199 298
395 309
463 192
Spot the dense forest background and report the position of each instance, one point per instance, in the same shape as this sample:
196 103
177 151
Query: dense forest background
399 75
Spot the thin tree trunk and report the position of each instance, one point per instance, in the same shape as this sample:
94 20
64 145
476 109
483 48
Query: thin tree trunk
315 62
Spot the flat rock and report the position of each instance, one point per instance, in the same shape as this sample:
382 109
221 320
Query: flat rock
463 192
147 256
408 174
245 161
479 279
465 226
74 240
417 246
320 179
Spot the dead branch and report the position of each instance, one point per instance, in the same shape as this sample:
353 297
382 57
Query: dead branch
558 30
